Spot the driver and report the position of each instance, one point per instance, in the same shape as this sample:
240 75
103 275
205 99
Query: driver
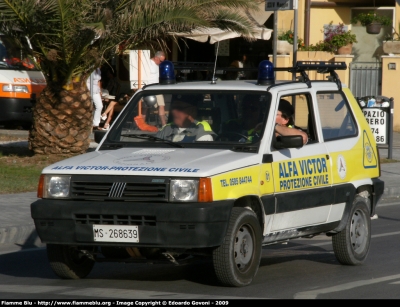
184 126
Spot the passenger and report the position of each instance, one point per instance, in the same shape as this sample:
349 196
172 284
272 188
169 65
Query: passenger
184 126
284 123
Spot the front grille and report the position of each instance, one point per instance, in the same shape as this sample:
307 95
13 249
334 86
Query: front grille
110 219
116 188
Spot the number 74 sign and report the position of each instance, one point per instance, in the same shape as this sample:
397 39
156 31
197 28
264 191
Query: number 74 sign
378 121
281 5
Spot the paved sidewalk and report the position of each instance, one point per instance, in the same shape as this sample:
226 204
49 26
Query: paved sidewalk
17 226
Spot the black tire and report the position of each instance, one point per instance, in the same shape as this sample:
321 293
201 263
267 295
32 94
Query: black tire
231 265
351 245
68 262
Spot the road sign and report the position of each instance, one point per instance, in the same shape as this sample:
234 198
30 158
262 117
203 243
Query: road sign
377 119
380 119
281 5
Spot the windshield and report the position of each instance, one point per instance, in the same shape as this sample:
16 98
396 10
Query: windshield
194 119
13 54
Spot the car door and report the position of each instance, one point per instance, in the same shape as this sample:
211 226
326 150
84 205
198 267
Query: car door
302 176
345 143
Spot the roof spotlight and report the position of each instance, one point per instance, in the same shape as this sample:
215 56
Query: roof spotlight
167 73
266 75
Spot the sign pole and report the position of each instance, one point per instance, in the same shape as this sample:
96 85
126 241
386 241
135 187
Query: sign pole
295 43
283 5
390 125
275 36
140 79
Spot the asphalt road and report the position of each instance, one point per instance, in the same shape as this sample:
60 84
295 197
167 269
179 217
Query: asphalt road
300 269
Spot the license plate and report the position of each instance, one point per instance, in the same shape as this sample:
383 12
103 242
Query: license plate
115 233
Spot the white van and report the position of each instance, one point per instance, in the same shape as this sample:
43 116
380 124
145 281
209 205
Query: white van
212 187
21 80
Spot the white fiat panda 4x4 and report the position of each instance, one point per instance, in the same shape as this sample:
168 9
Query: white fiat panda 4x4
222 179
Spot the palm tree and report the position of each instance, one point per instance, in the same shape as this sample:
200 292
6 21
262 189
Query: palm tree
72 37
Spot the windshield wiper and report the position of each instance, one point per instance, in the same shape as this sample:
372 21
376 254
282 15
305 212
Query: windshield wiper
245 148
111 146
151 137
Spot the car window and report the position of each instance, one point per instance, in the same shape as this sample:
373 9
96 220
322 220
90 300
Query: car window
229 117
13 54
303 117
337 121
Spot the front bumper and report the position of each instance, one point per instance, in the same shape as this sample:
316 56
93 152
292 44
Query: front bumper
163 225
16 109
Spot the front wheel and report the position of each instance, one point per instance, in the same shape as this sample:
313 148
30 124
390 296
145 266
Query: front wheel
237 260
68 262
351 245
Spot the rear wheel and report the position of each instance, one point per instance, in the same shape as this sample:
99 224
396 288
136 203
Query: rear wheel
351 245
237 260
68 262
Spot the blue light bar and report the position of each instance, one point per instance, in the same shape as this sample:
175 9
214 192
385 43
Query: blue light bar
266 75
167 73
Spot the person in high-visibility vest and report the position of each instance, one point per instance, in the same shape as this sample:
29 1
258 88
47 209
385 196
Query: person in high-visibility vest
247 127
185 127
284 123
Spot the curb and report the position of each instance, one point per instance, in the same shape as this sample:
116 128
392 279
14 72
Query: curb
14 144
25 133
18 133
24 235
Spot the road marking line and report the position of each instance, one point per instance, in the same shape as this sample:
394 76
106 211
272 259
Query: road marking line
31 288
387 204
330 242
111 293
33 249
143 294
314 293
386 234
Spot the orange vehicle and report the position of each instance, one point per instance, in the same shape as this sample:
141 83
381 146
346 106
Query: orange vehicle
20 81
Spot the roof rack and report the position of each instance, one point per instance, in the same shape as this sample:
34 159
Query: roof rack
322 67
300 67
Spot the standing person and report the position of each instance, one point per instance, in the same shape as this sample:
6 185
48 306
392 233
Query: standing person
96 96
248 75
155 61
243 74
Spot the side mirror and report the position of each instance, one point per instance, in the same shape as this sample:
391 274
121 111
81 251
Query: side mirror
98 135
288 141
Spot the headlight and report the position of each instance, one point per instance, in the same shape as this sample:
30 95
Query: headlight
184 190
55 186
15 88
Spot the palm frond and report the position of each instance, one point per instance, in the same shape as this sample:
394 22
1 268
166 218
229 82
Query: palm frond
71 36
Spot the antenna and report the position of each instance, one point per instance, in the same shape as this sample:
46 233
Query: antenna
213 79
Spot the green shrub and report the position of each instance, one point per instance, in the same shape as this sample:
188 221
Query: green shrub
371 17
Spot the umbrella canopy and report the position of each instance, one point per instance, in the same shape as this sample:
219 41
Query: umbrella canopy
257 17
216 35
